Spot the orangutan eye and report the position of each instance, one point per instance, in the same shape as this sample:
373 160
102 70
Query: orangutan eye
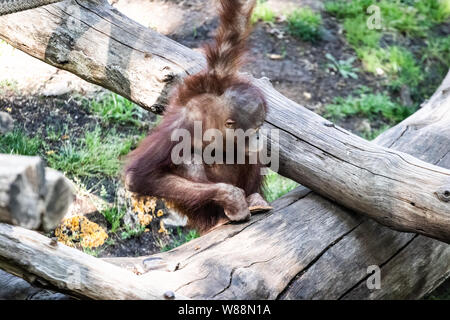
230 123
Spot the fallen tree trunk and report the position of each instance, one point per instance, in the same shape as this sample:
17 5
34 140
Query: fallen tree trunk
58 198
104 47
310 248
22 190
31 195
312 241
45 262
11 6
15 288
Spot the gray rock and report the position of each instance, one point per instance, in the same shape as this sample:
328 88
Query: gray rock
327 35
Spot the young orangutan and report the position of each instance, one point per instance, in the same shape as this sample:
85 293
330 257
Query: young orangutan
218 98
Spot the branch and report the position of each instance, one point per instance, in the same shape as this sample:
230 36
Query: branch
102 46
31 195
45 262
311 248
317 248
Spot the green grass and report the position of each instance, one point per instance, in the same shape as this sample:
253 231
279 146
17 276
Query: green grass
112 108
413 18
263 12
344 67
276 186
374 133
397 63
54 134
359 35
368 105
114 216
132 232
344 9
437 11
17 142
95 252
94 155
405 20
437 49
304 24
181 238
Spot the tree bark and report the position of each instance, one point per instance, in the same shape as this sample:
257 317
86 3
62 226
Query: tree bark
303 247
15 288
102 46
31 195
310 248
58 198
22 190
45 262
11 6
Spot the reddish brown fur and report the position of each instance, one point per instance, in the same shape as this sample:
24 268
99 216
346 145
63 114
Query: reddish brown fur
203 197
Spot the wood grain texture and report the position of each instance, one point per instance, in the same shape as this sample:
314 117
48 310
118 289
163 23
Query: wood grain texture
102 46
32 196
22 190
42 261
15 288
312 248
59 196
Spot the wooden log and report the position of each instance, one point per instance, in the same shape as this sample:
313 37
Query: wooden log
72 32
15 288
31 195
58 198
22 190
42 261
311 248
102 46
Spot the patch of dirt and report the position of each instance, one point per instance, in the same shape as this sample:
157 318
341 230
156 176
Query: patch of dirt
138 246
300 74
38 114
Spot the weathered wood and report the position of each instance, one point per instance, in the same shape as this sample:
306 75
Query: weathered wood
15 288
102 46
310 248
58 198
41 260
281 248
11 6
31 195
22 190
